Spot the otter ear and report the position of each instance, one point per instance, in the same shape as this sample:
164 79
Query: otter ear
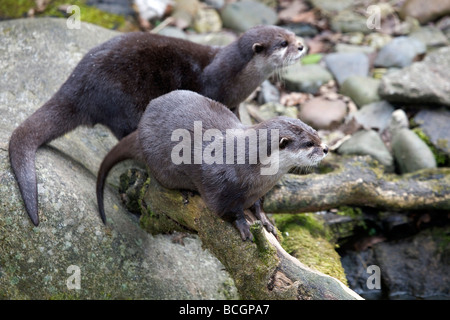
283 142
257 47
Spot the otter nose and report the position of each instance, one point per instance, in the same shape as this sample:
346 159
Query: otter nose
300 47
325 149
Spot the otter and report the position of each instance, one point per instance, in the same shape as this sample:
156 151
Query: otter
208 158
115 81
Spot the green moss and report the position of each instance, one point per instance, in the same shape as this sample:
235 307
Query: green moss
13 9
442 160
307 238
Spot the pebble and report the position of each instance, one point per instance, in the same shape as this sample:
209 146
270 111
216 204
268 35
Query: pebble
321 113
425 11
400 52
430 36
306 78
436 125
362 90
243 15
343 65
349 21
368 142
271 110
207 20
268 93
375 115
410 152
345 48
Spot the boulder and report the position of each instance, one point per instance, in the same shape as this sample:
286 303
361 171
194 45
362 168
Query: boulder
422 82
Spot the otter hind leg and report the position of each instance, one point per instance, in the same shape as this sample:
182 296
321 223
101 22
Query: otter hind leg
260 215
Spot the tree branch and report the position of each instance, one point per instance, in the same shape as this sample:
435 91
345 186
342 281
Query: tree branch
261 269
360 181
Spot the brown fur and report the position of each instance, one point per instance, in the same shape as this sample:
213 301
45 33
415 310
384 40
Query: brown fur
114 82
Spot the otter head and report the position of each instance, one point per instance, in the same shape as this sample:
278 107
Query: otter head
279 47
299 144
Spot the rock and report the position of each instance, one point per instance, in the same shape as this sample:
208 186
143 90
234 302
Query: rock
184 12
362 90
207 20
422 82
410 152
375 115
329 6
425 11
173 32
343 65
243 15
149 10
349 21
399 120
302 29
268 93
430 36
400 52
271 110
368 142
305 78
222 38
436 125
116 261
321 113
378 40
121 7
350 48
216 4
416 267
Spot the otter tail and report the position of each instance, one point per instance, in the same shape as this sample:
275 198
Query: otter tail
47 123
127 148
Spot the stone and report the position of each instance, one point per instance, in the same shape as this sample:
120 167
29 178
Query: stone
368 142
302 29
305 78
221 38
343 65
321 113
349 21
271 110
173 32
207 20
243 15
436 125
268 93
375 115
116 261
431 36
399 120
426 82
329 6
362 90
425 11
378 40
400 52
350 48
416 267
410 152
121 7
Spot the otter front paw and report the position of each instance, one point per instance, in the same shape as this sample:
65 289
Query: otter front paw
244 229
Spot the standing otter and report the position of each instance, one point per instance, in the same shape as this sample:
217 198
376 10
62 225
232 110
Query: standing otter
211 164
114 82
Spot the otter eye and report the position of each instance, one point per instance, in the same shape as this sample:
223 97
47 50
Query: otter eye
310 144
283 142
284 44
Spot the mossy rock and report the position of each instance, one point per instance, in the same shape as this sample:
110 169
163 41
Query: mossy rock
13 9
307 238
